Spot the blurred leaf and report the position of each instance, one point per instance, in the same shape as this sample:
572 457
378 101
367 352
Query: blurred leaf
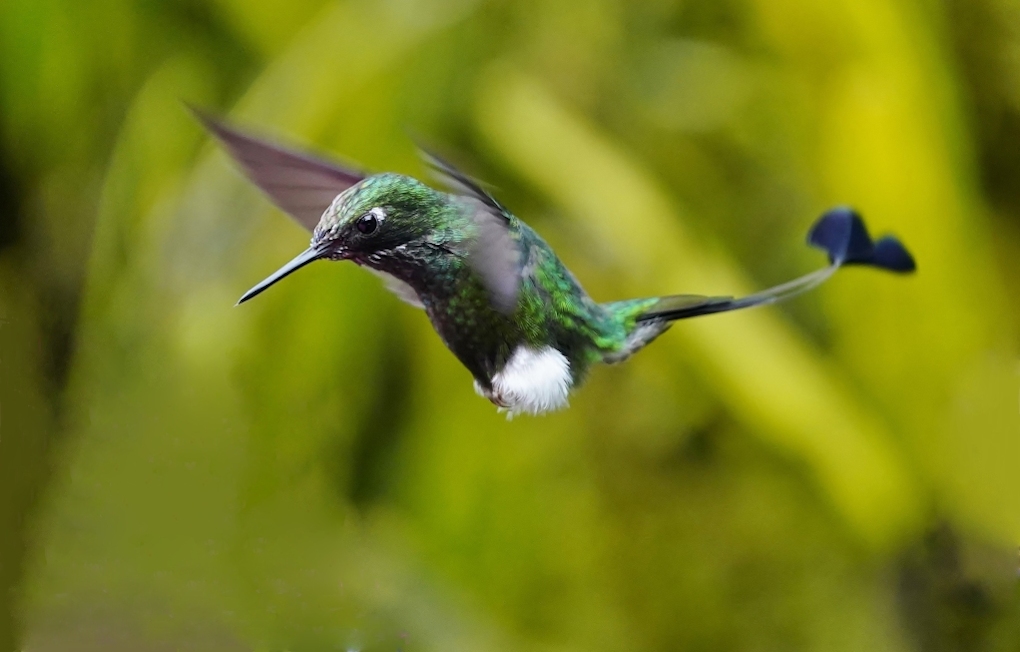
313 470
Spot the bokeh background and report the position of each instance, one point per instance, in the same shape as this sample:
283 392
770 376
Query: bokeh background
314 472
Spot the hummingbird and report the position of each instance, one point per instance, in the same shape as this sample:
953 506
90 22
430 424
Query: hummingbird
499 297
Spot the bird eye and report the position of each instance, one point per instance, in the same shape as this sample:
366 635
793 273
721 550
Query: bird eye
367 224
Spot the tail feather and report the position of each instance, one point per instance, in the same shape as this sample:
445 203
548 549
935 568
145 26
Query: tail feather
840 232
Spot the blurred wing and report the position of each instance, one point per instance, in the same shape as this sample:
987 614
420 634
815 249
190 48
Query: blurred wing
302 185
462 184
494 253
495 256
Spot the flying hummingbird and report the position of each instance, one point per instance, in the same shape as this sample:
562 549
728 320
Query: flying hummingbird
495 292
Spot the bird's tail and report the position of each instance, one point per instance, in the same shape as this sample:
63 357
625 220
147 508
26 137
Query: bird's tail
840 232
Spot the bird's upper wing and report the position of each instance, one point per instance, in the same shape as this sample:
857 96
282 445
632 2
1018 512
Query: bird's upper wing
494 253
463 184
302 185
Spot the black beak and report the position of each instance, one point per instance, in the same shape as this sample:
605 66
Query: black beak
309 255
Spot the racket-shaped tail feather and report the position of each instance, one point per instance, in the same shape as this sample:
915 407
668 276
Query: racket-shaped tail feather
840 232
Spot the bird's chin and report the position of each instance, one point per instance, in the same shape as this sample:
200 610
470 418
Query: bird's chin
362 260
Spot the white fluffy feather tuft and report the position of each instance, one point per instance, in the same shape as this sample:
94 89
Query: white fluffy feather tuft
404 291
533 381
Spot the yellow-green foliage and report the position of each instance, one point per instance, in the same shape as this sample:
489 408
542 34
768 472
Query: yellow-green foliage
312 471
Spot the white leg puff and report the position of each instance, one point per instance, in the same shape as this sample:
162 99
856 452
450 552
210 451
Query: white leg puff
533 381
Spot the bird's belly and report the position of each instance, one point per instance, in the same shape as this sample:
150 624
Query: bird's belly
481 341
516 376
513 362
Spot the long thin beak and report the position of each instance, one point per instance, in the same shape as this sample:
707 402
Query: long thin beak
309 255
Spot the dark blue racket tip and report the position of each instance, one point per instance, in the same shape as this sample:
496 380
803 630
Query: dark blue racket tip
843 235
890 254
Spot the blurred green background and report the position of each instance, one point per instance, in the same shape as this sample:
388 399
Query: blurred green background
314 472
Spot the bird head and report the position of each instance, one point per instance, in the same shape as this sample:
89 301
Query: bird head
368 223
